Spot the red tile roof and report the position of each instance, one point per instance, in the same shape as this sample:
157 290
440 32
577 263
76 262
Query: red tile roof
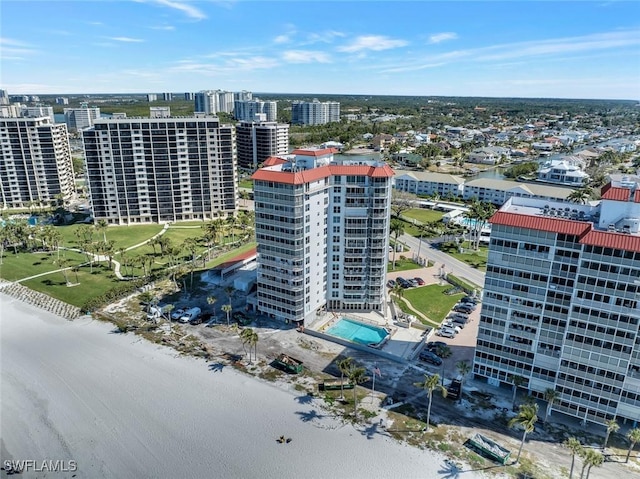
615 193
316 153
608 239
253 252
274 160
584 230
307 176
541 223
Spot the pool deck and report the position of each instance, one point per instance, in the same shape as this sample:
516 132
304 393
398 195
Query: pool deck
402 344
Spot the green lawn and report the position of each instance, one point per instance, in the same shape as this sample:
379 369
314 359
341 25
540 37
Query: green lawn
245 183
476 259
91 285
124 236
423 215
431 300
23 265
401 264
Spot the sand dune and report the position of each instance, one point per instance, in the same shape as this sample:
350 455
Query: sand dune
123 407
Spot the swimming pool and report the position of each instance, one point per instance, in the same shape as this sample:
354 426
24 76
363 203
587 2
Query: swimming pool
358 332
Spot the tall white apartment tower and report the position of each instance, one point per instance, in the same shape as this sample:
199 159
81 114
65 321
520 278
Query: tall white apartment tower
35 161
322 228
78 119
257 141
561 303
249 110
314 112
157 170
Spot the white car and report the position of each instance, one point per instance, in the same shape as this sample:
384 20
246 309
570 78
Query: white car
454 326
177 313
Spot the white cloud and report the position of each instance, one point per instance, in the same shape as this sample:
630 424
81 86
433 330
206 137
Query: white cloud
188 10
442 37
167 28
305 56
324 37
548 49
228 65
15 49
126 39
372 42
282 39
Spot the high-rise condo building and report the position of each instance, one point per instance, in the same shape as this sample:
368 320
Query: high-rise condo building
213 101
78 119
257 141
157 170
322 228
242 95
4 97
38 112
35 162
255 110
314 112
560 306
167 96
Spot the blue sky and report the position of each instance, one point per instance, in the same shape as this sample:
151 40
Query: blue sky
562 49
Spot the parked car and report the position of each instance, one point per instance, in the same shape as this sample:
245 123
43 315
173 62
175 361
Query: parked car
462 308
457 327
429 357
454 389
391 283
190 314
403 282
446 332
470 299
420 281
459 321
177 313
458 315
434 345
412 282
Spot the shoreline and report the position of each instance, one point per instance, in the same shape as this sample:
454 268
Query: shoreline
124 407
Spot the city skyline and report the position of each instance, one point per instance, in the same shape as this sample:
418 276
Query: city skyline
585 50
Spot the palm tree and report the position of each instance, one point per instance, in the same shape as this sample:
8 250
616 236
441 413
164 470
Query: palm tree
526 419
479 213
356 375
397 229
590 458
102 225
227 308
634 438
344 365
245 336
550 395
463 369
430 384
398 290
581 195
516 382
211 300
612 426
576 448
253 342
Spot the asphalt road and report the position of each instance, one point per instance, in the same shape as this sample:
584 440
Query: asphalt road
452 265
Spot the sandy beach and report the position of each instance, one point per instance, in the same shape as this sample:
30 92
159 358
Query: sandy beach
122 407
